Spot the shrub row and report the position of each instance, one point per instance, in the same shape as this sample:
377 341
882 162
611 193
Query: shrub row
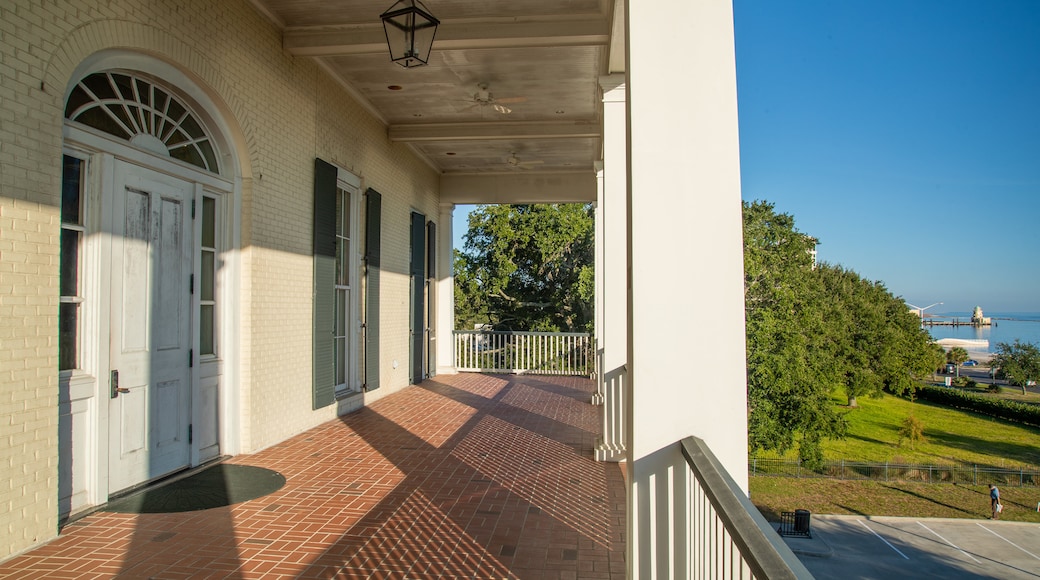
999 408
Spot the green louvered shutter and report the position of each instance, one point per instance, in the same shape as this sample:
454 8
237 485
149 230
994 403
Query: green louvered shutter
373 219
431 250
418 282
431 280
324 386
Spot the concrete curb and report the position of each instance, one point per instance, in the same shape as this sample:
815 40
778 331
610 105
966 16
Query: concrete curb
814 547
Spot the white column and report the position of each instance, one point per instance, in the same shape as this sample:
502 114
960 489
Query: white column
445 363
597 397
686 330
614 212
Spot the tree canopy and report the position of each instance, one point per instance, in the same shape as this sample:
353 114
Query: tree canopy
788 381
878 341
1018 362
956 356
527 267
816 329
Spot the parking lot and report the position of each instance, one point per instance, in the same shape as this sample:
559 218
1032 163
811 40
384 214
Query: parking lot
886 547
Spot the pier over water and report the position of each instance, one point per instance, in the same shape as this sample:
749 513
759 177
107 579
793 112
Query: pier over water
977 319
954 322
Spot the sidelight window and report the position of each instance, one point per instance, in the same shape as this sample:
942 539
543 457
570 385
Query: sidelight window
70 311
207 278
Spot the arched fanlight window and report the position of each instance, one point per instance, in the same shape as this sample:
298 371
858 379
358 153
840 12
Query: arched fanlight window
133 108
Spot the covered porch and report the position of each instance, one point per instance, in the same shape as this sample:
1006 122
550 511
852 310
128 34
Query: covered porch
462 476
630 104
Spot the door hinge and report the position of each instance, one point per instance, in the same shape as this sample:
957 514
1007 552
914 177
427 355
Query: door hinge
193 209
189 432
191 358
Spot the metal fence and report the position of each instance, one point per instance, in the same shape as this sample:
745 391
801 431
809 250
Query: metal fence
963 474
538 353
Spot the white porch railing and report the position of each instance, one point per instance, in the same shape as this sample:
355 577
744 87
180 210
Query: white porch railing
613 384
729 538
536 353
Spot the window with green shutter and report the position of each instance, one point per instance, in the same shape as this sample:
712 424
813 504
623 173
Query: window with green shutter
373 232
324 371
418 298
337 267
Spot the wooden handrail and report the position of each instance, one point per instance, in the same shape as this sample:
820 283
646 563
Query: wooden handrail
763 550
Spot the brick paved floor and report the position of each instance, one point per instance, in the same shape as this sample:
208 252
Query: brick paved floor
464 476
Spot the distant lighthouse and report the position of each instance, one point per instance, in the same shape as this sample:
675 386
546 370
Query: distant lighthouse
977 319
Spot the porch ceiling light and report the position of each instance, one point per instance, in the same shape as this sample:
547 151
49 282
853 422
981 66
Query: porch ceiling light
409 28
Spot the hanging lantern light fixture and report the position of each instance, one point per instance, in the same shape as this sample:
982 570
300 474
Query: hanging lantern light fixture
409 28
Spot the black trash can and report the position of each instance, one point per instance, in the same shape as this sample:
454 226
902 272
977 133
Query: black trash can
801 521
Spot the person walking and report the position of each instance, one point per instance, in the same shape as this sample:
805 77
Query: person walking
994 502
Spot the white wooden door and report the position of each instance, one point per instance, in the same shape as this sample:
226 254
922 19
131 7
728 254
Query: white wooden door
150 381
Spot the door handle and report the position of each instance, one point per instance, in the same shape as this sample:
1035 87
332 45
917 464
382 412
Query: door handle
114 382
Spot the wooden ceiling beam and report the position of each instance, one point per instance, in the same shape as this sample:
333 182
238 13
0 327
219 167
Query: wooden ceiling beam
451 35
485 131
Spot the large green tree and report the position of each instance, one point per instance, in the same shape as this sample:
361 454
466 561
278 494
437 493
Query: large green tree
956 356
1018 362
527 267
878 344
813 330
790 374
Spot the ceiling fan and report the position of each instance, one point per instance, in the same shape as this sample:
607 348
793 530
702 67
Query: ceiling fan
514 162
484 99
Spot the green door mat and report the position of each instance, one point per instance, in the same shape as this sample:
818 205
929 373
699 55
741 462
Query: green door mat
216 486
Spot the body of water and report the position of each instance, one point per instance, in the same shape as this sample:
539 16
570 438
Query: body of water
1006 327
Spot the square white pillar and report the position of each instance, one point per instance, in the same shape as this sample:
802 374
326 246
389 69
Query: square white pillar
445 353
686 303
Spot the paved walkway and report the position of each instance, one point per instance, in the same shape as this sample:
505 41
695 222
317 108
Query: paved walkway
465 476
884 548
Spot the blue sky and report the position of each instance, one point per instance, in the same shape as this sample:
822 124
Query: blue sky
904 134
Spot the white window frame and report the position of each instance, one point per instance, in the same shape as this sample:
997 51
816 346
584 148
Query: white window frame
348 186
87 272
216 250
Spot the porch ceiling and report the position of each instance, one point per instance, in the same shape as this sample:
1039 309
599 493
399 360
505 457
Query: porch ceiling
540 59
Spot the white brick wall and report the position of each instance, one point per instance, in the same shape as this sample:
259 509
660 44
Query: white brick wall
287 112
29 176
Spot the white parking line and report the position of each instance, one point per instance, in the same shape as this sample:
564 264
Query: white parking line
1007 540
883 539
948 542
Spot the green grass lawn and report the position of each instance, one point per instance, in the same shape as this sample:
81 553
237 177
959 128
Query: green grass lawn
772 495
952 437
